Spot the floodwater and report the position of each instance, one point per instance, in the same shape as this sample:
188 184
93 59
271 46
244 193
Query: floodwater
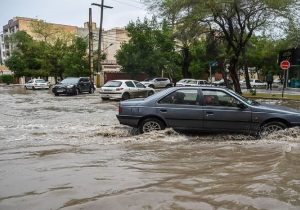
69 152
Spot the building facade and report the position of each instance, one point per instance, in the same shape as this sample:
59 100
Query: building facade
111 39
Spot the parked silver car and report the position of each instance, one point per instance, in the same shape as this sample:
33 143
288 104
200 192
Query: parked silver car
197 82
183 82
158 82
205 109
37 84
124 89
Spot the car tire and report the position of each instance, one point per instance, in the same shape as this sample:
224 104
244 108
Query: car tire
33 88
151 86
271 127
76 91
56 94
91 90
104 98
150 93
125 96
151 124
168 85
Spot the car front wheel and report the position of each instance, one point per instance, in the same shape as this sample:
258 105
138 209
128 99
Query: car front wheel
271 127
150 93
76 91
125 96
151 124
91 90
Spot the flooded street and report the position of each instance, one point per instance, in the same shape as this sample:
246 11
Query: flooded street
70 152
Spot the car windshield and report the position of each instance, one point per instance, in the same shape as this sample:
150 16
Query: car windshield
69 81
112 84
246 100
147 80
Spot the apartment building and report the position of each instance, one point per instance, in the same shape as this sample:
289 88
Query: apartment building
25 24
111 39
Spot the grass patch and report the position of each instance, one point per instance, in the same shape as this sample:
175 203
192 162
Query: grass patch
272 96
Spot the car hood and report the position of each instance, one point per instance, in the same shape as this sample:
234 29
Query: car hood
62 85
279 109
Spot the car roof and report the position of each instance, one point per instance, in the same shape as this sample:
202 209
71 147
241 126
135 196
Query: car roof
122 80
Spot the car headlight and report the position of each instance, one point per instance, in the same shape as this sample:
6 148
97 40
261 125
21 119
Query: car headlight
70 86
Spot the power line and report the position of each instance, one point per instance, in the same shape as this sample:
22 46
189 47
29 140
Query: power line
131 5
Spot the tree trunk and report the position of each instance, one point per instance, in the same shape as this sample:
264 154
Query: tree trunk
233 75
185 62
248 85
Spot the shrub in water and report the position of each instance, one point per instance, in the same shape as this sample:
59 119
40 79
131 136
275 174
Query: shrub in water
6 78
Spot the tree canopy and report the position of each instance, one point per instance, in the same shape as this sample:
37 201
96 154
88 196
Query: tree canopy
235 21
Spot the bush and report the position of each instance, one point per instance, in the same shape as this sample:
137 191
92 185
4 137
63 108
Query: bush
6 78
253 91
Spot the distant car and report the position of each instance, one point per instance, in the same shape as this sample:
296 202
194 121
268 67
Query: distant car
37 84
205 108
197 83
257 83
124 89
278 81
183 82
222 82
74 86
158 82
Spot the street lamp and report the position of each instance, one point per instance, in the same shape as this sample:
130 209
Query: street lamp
100 32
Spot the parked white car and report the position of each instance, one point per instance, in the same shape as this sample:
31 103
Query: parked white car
183 82
197 83
254 83
124 89
37 84
158 82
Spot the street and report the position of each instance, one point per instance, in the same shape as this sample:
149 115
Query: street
70 152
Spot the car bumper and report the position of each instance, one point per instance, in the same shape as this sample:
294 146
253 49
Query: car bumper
62 90
111 95
132 121
41 86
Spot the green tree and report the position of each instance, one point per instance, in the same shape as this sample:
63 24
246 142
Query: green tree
75 61
151 49
236 20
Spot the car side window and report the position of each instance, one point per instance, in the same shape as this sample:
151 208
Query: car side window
218 98
129 84
186 97
138 84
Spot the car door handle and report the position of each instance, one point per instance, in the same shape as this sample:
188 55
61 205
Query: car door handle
209 113
163 110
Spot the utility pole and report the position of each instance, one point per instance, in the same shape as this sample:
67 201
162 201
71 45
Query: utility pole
100 33
91 46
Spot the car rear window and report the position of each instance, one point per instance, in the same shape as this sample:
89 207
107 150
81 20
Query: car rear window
40 81
112 84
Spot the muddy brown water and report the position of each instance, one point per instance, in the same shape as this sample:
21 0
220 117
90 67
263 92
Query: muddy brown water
71 153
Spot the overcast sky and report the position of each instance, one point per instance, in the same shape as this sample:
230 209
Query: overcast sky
73 12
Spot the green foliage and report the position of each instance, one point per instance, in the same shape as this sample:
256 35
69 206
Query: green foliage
235 22
6 78
75 61
253 92
151 49
39 58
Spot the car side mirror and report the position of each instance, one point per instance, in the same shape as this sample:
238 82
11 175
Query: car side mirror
241 105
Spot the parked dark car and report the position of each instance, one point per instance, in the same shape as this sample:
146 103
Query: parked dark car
212 109
73 86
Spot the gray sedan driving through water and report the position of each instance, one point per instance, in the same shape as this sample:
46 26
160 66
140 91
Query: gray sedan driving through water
209 109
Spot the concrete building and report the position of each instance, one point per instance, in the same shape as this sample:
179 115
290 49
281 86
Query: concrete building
26 24
111 39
